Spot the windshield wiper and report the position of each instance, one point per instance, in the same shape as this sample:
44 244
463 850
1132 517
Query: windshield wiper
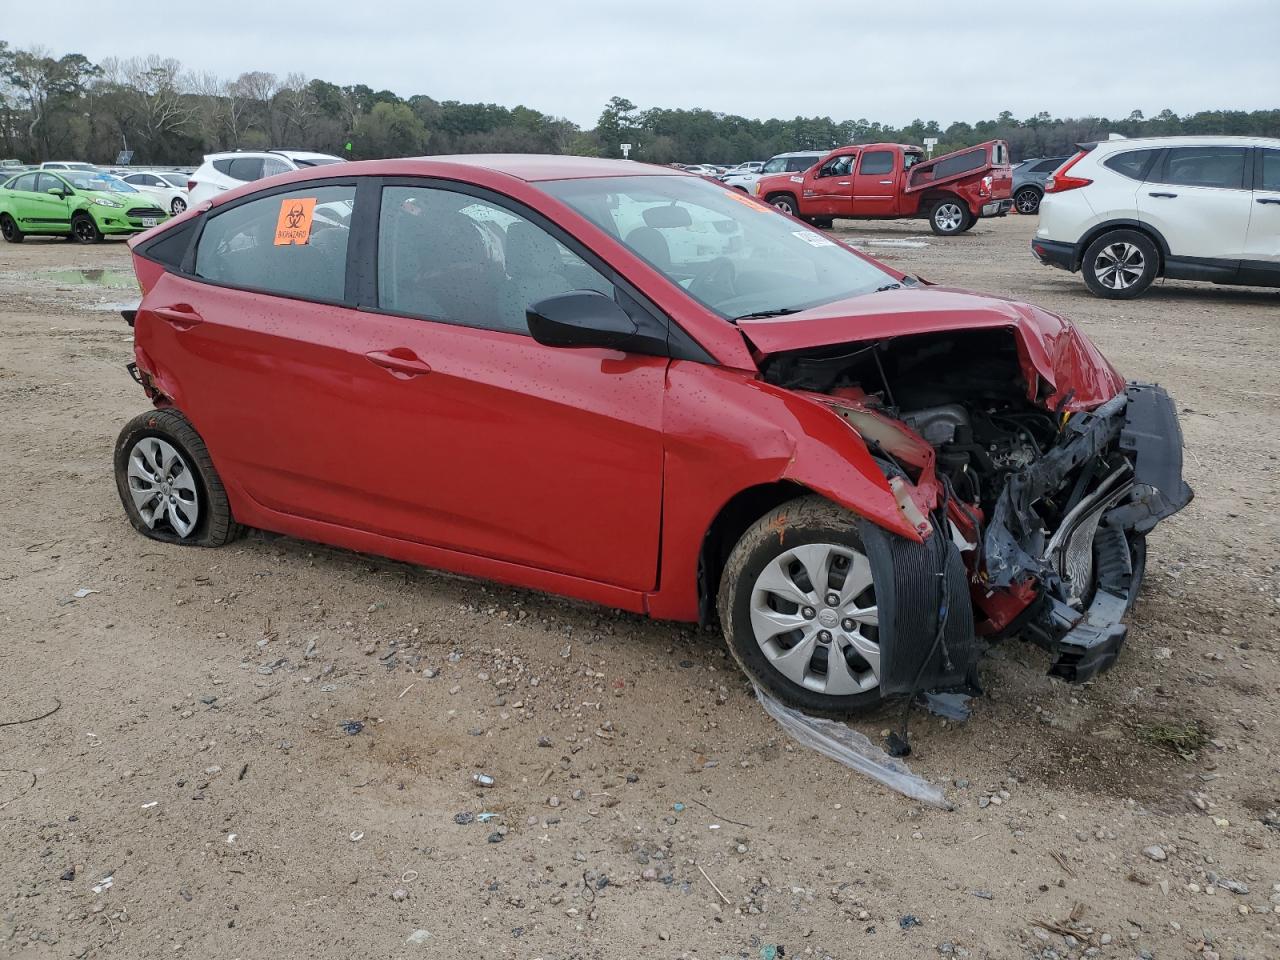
889 286
761 314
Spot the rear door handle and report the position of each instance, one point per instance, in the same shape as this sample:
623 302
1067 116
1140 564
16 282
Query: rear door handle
1275 200
886 182
401 361
1169 195
842 183
181 316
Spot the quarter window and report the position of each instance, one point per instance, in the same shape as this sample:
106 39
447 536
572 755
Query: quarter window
1269 169
240 168
26 183
293 244
458 259
1131 163
877 162
1221 167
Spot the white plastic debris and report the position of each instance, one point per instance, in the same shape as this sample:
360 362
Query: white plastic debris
104 884
853 749
84 592
418 937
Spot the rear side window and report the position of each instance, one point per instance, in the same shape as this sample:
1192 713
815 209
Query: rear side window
273 165
1269 169
26 183
800 164
240 168
293 244
1131 163
877 161
1048 166
1221 167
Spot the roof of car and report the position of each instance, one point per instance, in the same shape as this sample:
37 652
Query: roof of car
1190 141
539 166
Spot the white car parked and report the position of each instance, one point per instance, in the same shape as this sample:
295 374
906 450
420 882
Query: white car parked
169 190
1124 212
796 162
224 171
68 165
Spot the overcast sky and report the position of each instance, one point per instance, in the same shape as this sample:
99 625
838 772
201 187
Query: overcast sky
933 59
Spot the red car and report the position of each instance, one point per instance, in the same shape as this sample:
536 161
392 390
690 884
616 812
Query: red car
624 384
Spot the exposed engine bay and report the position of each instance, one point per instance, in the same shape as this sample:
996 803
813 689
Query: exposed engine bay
1046 505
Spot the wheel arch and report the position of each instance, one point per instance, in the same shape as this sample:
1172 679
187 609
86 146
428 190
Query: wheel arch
790 194
1162 245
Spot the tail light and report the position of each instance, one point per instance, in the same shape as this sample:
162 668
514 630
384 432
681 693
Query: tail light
986 185
191 185
1059 181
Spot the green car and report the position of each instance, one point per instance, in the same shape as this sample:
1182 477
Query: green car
85 206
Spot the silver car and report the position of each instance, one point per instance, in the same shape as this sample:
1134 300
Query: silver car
1028 182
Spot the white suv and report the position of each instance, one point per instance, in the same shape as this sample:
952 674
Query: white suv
225 171
797 162
1124 212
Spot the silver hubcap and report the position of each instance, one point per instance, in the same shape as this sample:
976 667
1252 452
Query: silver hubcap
163 486
178 205
1027 201
783 205
1119 265
948 216
814 615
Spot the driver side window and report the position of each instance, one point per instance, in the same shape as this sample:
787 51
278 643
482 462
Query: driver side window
837 166
49 182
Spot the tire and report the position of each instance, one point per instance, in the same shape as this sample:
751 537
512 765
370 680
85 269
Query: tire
784 202
792 538
178 206
160 453
84 230
10 230
949 217
822 223
1120 265
1027 201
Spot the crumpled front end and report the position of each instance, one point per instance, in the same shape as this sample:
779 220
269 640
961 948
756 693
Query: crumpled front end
1018 457
1116 472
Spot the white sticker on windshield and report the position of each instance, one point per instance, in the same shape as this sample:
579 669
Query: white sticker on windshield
813 239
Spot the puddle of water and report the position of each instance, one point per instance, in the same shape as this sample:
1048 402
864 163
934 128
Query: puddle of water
111 279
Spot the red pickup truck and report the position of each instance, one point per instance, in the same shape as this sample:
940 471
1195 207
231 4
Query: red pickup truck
891 180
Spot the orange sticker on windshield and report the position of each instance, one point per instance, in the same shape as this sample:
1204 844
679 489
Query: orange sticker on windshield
294 224
748 200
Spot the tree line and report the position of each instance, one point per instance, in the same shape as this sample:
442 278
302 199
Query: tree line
67 107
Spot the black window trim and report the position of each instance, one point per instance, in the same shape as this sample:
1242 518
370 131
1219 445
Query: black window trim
680 344
1255 181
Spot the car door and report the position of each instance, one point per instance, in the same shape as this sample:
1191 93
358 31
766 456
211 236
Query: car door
1199 201
543 456
829 191
1261 261
25 206
49 211
875 184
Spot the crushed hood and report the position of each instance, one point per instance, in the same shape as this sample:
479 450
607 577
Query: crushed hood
1076 376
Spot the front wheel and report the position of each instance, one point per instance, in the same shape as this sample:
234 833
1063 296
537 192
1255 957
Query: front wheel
1120 265
178 206
785 202
1027 200
84 230
798 606
167 483
950 217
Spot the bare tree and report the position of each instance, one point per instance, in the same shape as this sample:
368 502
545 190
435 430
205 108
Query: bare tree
299 109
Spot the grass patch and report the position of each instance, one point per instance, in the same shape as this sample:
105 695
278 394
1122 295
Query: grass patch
1183 737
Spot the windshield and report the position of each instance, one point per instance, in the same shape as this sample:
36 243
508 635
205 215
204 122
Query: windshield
97 181
729 252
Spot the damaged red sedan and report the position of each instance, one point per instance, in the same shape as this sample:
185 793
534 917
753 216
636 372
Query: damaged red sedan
628 385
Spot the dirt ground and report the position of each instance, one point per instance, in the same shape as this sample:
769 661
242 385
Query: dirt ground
201 755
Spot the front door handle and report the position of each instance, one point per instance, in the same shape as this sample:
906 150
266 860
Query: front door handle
1168 195
401 361
1275 200
181 316
842 183
886 182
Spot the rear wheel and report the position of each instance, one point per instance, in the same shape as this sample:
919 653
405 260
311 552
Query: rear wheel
1120 265
10 230
798 606
950 216
824 223
178 206
167 483
84 230
784 202
1027 200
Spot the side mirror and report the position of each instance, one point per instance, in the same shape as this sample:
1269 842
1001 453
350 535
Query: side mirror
56 191
583 318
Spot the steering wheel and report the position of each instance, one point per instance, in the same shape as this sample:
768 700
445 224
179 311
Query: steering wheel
716 281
